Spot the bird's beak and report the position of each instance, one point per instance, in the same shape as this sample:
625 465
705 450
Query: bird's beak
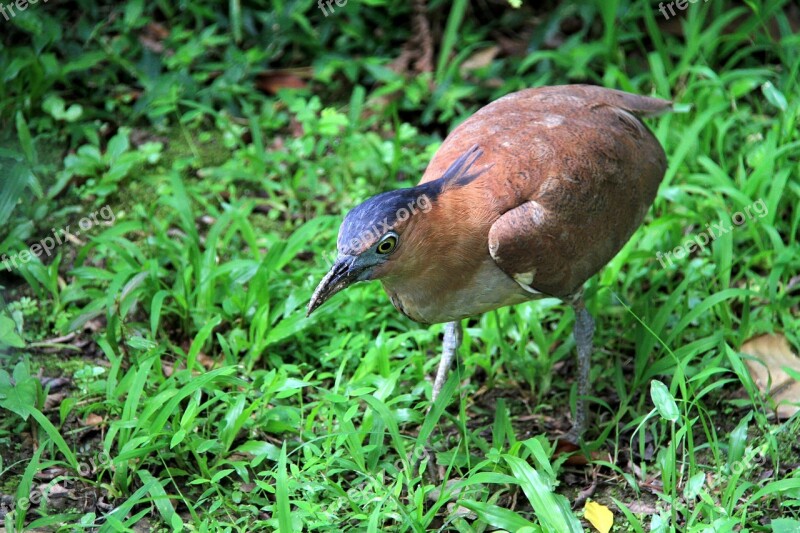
342 274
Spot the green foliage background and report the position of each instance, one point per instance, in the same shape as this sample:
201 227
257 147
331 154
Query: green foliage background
181 323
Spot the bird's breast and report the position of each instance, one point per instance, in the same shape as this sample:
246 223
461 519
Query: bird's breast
458 297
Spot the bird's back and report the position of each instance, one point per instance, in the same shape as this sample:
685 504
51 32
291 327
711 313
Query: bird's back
574 171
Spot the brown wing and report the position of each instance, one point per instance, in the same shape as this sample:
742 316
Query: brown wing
574 174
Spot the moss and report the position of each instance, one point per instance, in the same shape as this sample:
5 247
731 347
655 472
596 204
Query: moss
56 365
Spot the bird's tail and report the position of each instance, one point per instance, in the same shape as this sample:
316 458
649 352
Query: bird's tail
641 106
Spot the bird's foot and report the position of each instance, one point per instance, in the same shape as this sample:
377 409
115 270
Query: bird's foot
572 436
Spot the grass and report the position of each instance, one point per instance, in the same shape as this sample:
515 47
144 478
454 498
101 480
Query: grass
199 397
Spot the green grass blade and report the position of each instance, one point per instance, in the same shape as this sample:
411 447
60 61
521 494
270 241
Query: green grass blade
552 509
282 505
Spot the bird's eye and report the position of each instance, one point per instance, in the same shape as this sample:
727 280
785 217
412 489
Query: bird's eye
387 245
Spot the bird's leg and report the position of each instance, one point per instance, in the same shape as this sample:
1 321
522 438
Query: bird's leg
450 344
583 332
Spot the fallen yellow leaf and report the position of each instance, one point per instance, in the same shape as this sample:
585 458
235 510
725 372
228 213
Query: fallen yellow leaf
599 516
772 355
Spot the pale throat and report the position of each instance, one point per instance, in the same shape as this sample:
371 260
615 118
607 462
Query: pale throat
459 296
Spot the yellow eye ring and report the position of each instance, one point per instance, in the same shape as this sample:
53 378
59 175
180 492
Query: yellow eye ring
387 245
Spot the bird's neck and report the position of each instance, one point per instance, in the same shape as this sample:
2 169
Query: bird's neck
444 250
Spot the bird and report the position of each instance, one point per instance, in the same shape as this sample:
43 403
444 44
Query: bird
527 198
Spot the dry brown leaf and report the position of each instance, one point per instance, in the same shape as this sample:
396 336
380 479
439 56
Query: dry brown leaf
51 473
416 56
55 399
460 512
207 362
642 508
152 37
772 354
151 44
93 420
274 80
480 59
54 383
435 493
585 494
564 446
156 30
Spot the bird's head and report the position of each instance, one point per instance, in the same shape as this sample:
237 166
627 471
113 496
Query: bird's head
376 235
